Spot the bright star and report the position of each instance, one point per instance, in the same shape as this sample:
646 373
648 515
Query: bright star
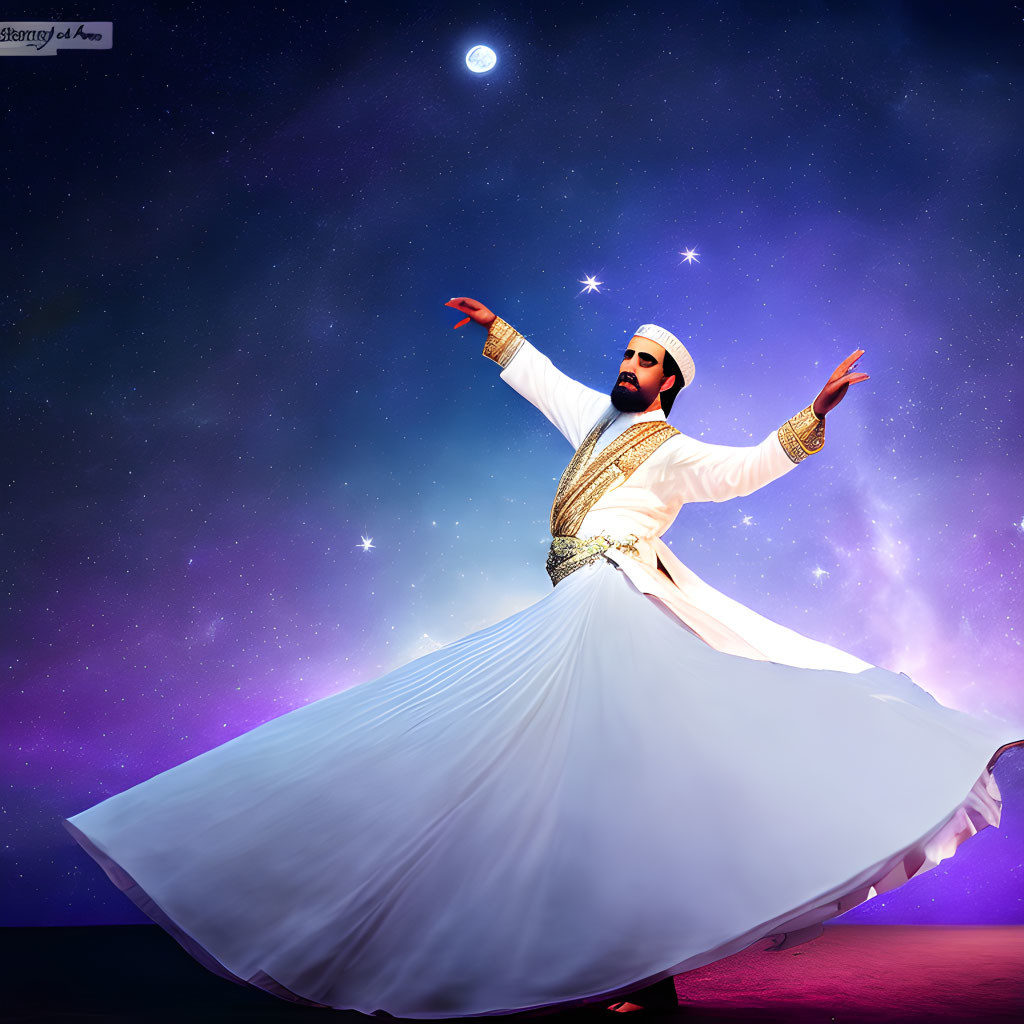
747 520
366 543
1020 529
690 256
818 573
592 285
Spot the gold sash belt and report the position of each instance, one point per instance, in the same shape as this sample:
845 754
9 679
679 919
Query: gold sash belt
567 554
584 482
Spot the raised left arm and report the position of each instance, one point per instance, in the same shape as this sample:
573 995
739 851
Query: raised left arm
714 472
718 472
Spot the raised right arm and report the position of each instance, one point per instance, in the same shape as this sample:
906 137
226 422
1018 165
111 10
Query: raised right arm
572 407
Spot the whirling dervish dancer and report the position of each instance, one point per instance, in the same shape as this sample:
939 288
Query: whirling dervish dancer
630 778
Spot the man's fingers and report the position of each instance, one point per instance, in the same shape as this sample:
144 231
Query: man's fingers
848 363
852 357
842 383
840 372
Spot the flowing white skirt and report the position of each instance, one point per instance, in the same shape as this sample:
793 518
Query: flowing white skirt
572 803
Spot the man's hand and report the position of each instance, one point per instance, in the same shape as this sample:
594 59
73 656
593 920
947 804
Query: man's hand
475 310
832 393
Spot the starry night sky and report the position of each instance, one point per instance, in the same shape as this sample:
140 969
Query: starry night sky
226 247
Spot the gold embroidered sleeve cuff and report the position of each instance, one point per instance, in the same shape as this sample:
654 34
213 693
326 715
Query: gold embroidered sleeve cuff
503 342
802 435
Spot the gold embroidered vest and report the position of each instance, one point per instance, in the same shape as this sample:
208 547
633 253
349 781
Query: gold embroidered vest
584 482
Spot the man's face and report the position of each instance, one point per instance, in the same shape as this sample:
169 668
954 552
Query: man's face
641 376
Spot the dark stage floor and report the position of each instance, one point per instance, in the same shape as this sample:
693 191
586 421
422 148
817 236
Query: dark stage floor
851 973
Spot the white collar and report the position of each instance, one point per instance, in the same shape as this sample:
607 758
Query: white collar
643 417
624 420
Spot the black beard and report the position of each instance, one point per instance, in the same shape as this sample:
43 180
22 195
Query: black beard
628 401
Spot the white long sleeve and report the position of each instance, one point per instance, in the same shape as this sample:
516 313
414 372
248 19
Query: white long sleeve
714 472
572 407
685 469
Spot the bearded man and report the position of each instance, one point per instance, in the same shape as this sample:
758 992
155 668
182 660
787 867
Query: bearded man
630 778
655 367
653 471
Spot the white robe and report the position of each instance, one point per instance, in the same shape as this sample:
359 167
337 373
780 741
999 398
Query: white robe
576 801
681 470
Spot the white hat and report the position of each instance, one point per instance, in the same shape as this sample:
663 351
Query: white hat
671 344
